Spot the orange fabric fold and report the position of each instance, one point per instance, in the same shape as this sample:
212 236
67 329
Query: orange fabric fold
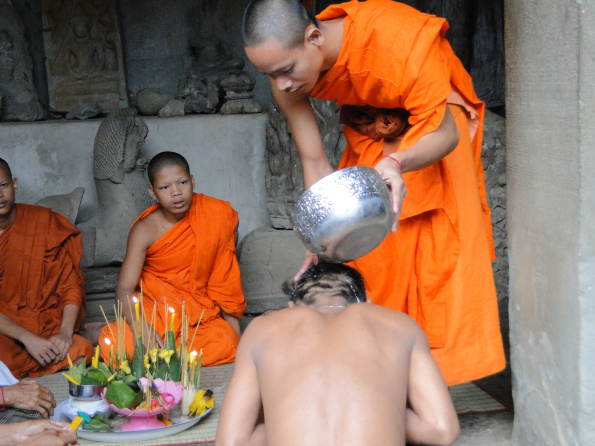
40 256
436 267
193 264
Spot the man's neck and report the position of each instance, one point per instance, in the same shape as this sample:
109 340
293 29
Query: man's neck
332 31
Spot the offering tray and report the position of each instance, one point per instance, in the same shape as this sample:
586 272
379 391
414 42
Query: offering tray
116 435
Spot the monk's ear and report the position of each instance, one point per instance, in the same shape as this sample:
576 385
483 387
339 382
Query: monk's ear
152 193
193 182
314 36
15 184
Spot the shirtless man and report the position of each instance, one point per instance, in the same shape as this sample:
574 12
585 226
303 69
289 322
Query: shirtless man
331 371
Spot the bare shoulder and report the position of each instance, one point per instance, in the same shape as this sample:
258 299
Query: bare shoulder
146 231
389 319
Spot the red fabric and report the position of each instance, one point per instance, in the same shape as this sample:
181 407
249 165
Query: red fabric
437 266
194 263
40 255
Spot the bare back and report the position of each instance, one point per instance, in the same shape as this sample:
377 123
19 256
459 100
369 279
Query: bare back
342 374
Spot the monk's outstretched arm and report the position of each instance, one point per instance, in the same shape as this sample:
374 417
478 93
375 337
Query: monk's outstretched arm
242 403
136 252
431 418
305 132
42 350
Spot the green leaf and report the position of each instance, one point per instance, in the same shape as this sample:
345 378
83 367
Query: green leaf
122 395
99 423
138 361
175 368
95 377
103 368
171 341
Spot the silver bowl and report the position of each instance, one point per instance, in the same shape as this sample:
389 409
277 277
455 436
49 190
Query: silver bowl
87 392
345 215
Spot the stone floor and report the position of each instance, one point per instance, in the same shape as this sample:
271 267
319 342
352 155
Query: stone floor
490 429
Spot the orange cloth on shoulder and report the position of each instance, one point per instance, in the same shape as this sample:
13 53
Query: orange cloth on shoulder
40 255
436 267
194 263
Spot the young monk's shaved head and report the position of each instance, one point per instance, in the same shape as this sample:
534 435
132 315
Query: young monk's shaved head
163 160
283 20
331 279
4 165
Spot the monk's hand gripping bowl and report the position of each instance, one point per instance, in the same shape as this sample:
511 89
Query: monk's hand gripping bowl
345 215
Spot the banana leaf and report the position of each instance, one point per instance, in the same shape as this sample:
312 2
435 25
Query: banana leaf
94 377
175 368
122 395
170 344
138 361
99 423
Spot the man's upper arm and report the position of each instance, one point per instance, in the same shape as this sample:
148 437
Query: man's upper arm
305 132
136 252
427 391
242 402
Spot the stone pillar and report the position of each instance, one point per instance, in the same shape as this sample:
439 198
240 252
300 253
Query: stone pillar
551 218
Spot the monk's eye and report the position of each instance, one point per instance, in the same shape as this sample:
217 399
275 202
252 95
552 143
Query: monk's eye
288 71
183 182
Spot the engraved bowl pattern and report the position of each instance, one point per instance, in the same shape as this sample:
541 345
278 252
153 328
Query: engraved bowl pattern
345 215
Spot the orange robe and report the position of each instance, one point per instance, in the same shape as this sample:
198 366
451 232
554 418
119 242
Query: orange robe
40 255
194 263
436 267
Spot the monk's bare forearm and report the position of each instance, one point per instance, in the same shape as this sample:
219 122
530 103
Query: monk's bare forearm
14 331
70 314
233 321
429 148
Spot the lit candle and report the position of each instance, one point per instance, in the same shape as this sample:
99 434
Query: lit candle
111 352
173 314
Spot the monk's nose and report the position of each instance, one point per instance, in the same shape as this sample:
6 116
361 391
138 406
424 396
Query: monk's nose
284 83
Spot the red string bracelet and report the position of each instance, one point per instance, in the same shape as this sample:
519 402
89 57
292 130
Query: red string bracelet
3 402
395 160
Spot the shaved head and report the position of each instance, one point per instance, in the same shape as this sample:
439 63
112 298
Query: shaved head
283 20
4 164
163 160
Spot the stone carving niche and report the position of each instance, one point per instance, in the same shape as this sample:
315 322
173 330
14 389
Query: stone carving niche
284 176
18 97
122 190
83 50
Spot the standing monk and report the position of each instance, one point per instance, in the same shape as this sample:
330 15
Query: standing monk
182 251
42 290
385 55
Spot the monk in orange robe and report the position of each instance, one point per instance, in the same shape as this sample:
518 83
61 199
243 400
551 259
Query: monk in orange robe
42 288
385 55
181 251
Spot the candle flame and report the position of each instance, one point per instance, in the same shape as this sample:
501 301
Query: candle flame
194 353
107 341
134 299
171 310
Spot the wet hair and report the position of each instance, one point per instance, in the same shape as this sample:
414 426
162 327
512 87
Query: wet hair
4 164
163 160
283 20
331 279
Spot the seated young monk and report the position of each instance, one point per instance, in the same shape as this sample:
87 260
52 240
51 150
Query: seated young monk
182 251
331 370
42 288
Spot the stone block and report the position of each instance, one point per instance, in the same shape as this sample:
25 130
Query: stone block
267 258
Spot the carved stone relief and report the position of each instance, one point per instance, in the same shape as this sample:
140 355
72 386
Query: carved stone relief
121 188
84 60
19 100
284 176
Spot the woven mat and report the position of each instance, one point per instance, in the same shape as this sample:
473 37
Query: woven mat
468 398
214 378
